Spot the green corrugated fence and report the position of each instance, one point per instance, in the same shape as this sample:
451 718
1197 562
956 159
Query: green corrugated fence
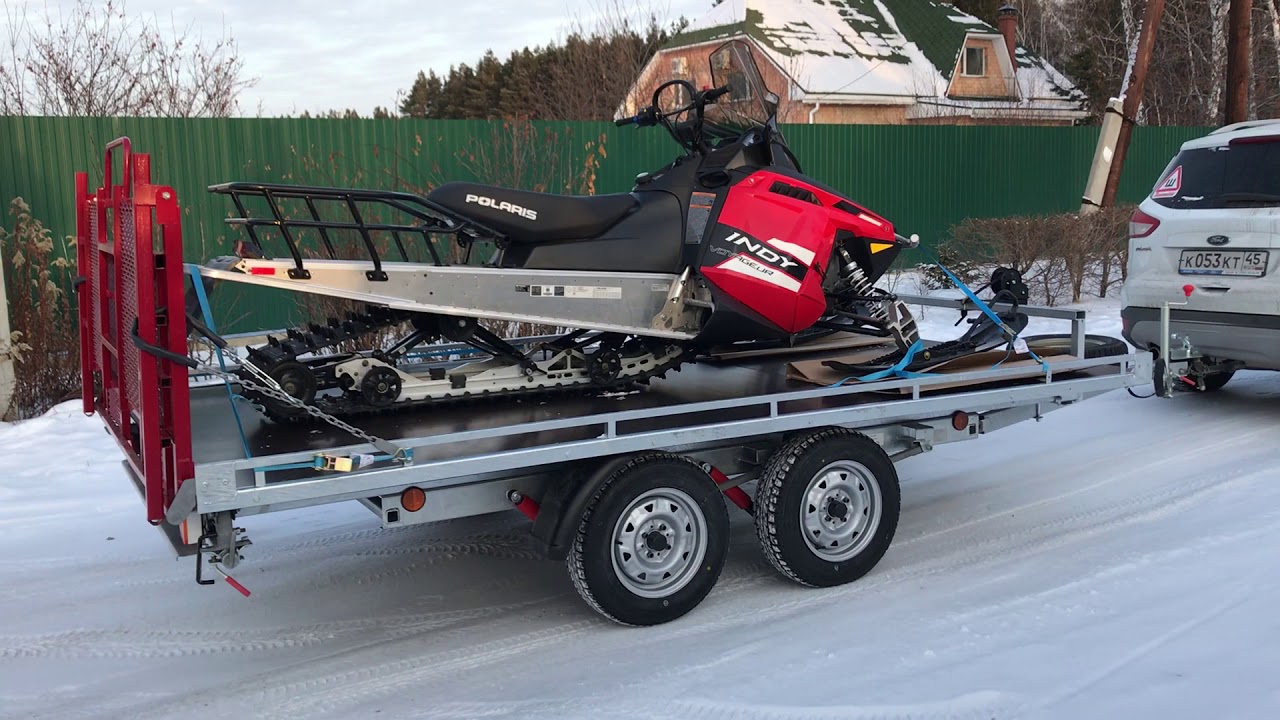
924 179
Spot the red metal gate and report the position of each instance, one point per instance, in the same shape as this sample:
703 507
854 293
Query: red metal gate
129 252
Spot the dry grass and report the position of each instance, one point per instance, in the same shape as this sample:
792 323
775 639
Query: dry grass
38 274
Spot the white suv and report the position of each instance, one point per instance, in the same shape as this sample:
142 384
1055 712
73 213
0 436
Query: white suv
1212 222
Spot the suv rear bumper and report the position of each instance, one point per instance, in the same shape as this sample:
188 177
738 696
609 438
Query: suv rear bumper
1251 339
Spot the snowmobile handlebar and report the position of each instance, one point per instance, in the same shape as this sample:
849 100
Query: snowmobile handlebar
653 115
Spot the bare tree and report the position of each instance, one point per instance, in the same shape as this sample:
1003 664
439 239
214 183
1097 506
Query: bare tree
600 60
98 60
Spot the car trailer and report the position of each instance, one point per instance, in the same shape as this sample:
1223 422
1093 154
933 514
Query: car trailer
631 490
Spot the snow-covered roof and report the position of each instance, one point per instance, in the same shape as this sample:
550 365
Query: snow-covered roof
900 48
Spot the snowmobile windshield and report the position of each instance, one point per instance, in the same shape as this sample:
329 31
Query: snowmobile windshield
749 103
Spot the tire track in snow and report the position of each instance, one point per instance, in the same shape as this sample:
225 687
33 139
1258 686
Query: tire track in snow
428 556
491 546
140 643
1236 599
1190 452
979 705
308 689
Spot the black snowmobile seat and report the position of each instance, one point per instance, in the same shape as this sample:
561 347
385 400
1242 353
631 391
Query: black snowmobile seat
532 217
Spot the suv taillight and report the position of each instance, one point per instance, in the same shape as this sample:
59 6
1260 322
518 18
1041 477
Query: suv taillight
1142 224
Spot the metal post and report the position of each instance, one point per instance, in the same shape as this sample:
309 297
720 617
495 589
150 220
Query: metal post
1078 338
1103 155
1239 46
1133 96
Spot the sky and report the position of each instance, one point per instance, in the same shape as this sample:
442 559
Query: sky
326 54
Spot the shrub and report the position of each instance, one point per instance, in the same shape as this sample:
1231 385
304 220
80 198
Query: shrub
1060 256
44 340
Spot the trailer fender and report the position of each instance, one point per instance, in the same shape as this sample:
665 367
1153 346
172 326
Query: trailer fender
569 500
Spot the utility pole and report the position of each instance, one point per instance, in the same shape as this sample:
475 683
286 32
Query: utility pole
1133 95
1239 46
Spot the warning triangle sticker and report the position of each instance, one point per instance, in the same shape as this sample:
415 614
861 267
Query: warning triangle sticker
1171 186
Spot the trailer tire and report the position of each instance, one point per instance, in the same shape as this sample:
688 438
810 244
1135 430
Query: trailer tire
662 506
836 471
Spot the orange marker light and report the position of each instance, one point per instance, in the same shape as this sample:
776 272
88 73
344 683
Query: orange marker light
413 499
960 420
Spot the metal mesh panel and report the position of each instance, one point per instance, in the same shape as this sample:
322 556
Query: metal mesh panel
95 293
128 299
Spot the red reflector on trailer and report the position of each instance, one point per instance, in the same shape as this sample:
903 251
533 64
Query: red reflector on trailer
413 499
262 271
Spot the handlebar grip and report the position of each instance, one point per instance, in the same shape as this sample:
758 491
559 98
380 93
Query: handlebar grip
627 121
714 93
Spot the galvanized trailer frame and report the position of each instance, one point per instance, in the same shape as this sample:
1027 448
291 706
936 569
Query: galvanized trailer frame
265 483
201 458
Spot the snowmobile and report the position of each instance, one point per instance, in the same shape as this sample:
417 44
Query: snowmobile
727 244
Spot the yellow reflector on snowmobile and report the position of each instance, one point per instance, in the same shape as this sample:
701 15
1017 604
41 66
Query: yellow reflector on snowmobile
880 247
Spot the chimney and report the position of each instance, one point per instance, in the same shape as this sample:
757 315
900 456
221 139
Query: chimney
1008 22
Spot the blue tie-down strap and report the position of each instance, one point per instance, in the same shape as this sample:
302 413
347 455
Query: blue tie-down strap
194 272
986 310
898 369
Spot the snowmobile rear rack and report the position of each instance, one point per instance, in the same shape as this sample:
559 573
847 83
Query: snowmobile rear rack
430 219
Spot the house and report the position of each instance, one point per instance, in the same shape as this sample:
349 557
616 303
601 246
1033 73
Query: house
875 62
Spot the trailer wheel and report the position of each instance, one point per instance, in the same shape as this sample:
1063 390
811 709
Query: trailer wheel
827 507
652 541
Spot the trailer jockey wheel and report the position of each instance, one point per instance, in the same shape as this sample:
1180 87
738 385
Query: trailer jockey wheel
381 386
296 380
652 540
827 507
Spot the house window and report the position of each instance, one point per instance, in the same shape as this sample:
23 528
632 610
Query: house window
677 96
975 62
739 88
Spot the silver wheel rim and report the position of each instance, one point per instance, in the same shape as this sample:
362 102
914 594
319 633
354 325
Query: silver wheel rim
659 543
841 510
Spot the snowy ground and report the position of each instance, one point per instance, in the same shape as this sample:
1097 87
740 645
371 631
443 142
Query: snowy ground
1118 559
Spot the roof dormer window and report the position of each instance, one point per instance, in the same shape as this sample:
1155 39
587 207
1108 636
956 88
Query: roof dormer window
975 62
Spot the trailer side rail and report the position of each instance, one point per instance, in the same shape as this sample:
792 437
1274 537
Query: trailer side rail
257 483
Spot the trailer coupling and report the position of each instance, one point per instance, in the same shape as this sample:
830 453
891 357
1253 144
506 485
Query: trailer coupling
1181 365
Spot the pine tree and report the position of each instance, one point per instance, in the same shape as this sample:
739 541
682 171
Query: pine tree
583 78
424 97
480 97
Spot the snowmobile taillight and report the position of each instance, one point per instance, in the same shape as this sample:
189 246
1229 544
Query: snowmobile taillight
1141 224
959 420
413 499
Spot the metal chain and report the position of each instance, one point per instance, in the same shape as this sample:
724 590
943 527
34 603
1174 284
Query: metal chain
272 389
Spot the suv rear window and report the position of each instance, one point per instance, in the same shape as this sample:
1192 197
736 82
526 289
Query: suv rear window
1242 174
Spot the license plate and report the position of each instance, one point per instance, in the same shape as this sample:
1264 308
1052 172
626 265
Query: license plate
1248 263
